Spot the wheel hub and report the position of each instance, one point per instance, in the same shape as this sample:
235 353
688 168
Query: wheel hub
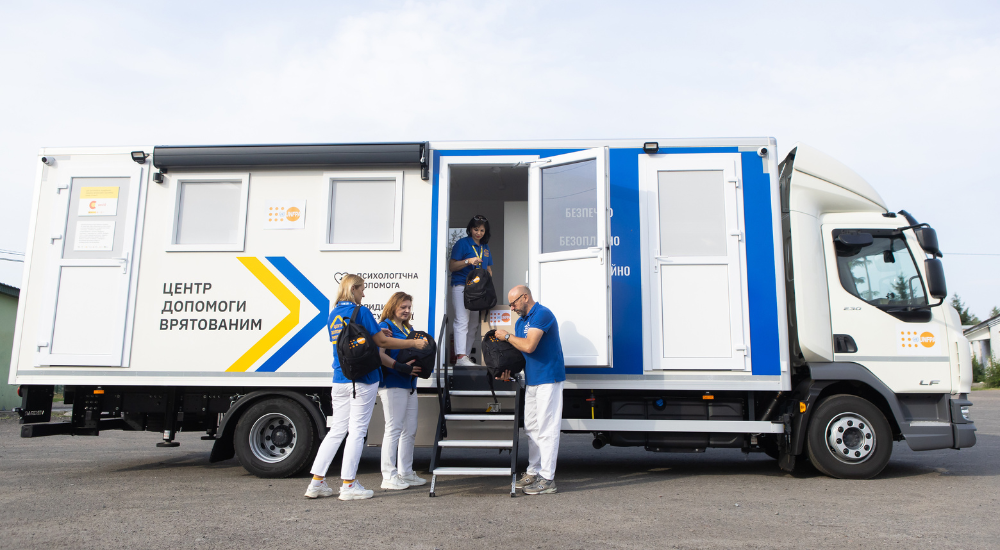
272 438
850 438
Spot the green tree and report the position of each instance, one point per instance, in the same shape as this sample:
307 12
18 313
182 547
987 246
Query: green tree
902 288
968 318
994 312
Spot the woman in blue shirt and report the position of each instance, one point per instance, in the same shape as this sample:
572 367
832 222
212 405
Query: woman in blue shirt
352 401
468 253
399 401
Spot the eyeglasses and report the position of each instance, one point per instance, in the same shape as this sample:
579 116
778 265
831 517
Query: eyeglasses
480 218
514 301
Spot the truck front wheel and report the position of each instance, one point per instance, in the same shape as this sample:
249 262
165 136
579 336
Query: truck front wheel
848 438
274 438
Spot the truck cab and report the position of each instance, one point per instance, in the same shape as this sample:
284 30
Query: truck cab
866 303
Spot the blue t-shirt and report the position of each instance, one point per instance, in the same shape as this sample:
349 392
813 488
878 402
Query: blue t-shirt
340 315
392 378
464 249
546 365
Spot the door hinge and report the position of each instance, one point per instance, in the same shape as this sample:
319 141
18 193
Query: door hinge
735 181
738 234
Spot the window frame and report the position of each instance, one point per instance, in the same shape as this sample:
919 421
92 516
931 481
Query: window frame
330 178
883 233
230 177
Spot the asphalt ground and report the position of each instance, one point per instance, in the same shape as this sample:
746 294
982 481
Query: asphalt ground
120 491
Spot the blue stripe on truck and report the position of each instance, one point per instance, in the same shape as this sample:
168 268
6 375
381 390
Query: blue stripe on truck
765 354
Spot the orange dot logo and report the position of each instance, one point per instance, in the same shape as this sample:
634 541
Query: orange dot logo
292 214
927 340
505 317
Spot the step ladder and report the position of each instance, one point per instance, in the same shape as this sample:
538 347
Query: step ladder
445 380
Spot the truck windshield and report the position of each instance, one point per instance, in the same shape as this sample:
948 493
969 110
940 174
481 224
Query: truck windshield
883 273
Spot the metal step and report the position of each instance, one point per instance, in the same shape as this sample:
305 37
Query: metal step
460 471
477 393
478 443
495 417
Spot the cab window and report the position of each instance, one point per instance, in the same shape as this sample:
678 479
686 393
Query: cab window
882 273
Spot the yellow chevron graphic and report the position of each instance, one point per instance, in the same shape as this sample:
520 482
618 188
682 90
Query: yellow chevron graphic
279 331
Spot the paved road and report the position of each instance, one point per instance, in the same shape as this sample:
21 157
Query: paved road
120 491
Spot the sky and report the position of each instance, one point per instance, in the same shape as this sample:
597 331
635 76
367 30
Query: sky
905 93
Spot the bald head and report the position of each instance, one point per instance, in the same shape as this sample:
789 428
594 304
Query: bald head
517 291
520 300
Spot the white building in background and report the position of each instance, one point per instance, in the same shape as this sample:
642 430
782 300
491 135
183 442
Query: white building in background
985 339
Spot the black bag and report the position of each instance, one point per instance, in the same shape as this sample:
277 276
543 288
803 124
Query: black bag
356 349
500 356
424 357
479 291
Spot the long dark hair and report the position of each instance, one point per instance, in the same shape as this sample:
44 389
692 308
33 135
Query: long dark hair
476 221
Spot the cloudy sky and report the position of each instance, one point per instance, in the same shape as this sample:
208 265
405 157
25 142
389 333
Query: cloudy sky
905 93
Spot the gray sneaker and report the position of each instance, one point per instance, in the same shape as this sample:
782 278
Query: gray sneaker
541 487
526 480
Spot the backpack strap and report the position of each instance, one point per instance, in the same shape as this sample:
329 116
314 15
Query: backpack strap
354 316
490 380
354 389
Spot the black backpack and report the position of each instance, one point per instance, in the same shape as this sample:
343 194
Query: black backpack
479 291
500 356
424 357
356 349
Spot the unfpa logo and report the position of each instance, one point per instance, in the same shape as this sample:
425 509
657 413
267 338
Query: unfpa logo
927 340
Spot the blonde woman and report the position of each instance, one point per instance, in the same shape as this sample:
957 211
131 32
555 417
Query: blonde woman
351 413
398 393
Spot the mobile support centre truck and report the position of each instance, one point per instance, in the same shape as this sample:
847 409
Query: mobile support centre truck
707 296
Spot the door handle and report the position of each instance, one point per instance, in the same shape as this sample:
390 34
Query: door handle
124 262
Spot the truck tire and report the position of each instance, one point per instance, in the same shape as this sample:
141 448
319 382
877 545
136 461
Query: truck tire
848 438
275 438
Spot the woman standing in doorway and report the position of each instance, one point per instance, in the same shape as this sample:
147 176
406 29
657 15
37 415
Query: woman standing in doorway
352 401
469 252
398 392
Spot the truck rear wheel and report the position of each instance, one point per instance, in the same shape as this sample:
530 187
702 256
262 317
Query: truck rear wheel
848 438
275 438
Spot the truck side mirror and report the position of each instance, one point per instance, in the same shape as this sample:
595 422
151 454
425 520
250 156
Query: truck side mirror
927 237
936 285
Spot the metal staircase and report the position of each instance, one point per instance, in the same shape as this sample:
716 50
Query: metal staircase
458 388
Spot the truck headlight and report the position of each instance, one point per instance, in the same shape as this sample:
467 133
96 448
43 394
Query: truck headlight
965 413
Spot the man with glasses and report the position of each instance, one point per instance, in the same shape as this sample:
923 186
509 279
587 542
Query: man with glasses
536 335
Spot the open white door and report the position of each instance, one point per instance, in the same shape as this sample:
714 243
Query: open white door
568 260
698 306
90 262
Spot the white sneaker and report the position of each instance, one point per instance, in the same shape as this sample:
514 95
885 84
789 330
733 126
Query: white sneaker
354 491
412 480
319 491
394 483
465 362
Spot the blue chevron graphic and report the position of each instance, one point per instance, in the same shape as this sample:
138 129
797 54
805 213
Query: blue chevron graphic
314 326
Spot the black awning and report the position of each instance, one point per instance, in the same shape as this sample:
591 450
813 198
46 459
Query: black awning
357 154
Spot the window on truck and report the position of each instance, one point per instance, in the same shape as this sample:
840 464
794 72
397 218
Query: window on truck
210 212
884 273
363 211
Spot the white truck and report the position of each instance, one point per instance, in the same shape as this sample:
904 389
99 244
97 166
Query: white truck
707 295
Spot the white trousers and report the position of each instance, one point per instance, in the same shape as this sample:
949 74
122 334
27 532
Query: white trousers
466 326
400 408
350 419
543 406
